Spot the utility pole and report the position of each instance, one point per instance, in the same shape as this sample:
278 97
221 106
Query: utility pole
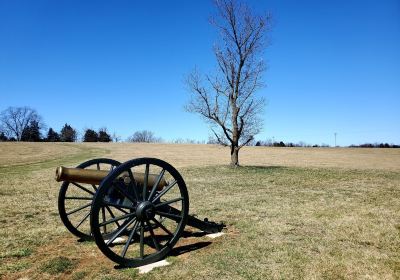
335 138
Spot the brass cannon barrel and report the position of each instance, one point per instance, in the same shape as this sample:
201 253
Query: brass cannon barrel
92 176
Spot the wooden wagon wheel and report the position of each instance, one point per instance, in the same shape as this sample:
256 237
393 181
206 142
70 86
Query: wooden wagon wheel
139 237
75 200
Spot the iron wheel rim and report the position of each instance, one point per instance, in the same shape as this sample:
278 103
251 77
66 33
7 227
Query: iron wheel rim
65 214
136 227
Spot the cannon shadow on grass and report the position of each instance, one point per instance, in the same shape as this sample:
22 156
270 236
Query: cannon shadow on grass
188 248
182 249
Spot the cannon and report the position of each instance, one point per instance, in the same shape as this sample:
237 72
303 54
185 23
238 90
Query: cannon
135 211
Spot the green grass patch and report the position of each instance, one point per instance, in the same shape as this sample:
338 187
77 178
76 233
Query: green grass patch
14 267
19 253
58 265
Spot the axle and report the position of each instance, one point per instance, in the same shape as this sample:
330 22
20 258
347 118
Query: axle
205 225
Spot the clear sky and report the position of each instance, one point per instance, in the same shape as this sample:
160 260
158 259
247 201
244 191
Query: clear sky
333 66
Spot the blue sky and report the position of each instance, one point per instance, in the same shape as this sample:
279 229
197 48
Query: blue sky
333 66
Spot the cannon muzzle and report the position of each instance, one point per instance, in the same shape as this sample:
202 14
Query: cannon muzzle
92 176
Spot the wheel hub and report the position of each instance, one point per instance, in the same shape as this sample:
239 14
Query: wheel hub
145 211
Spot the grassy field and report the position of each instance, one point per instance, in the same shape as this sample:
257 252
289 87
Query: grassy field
291 213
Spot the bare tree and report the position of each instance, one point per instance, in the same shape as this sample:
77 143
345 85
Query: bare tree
144 136
15 120
228 99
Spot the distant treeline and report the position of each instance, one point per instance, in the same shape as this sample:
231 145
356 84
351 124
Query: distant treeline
32 133
269 143
25 124
375 145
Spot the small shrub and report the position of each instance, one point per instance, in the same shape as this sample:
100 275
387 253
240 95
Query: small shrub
58 265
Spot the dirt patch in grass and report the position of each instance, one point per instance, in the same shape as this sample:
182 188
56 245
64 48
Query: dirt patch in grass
66 258
62 258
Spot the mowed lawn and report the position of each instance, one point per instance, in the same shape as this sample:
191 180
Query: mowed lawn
291 213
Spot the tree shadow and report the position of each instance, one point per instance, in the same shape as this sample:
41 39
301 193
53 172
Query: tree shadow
260 167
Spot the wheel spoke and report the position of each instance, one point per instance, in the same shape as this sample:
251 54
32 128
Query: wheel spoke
128 242
156 183
153 237
82 188
165 190
168 202
121 209
112 214
98 166
132 183
145 181
79 197
94 187
79 209
120 230
161 226
141 239
117 219
81 222
103 213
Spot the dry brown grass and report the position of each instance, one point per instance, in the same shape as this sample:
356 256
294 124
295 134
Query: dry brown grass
182 155
291 213
13 153
185 155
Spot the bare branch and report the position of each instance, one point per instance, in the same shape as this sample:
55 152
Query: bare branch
15 120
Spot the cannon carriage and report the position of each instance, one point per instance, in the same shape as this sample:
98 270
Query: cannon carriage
135 211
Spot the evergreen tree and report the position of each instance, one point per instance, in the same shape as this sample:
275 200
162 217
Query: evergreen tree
32 132
104 136
68 134
90 136
52 136
3 137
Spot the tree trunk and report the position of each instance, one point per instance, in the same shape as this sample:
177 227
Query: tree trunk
234 156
